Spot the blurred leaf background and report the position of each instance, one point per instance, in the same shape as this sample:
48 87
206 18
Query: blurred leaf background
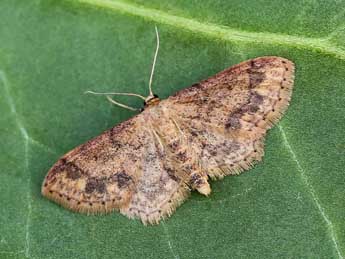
291 205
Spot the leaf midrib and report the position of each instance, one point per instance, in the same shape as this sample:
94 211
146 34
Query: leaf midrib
217 31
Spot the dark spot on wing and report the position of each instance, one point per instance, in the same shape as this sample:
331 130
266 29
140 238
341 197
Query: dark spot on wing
194 133
256 76
116 144
182 156
224 147
233 123
173 145
123 180
171 174
252 105
73 171
95 184
256 99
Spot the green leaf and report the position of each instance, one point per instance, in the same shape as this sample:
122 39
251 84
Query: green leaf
290 205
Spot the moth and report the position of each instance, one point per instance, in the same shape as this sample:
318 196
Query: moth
147 166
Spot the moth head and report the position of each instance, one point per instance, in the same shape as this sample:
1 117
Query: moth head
151 100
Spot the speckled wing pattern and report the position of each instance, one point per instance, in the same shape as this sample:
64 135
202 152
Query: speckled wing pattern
146 166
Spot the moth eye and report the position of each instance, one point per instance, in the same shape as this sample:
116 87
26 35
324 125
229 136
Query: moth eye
155 96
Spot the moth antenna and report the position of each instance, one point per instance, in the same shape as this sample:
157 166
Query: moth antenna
121 105
154 62
127 94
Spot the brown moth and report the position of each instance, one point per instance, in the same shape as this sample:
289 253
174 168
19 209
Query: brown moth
147 166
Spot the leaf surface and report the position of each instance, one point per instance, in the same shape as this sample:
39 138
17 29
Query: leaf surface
289 205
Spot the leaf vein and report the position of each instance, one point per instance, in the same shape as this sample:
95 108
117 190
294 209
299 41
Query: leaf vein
26 139
219 31
28 218
311 189
175 255
42 145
